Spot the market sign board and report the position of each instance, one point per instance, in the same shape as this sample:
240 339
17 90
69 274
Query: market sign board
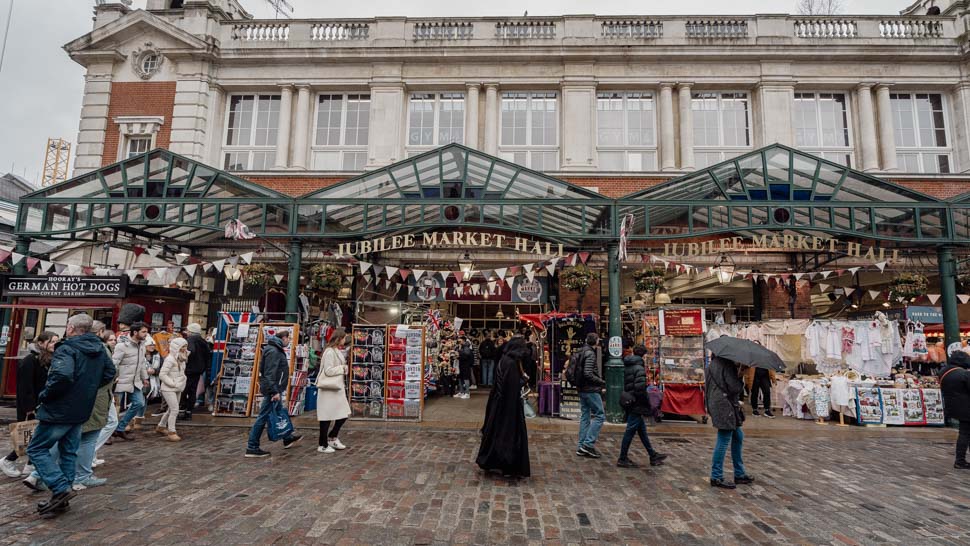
926 315
53 286
523 290
682 322
461 240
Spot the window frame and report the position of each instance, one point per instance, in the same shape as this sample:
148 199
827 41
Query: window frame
438 97
827 152
509 151
344 150
131 139
919 151
626 148
724 152
251 148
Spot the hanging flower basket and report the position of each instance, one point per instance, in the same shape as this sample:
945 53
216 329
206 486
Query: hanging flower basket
908 286
577 278
259 274
326 277
649 280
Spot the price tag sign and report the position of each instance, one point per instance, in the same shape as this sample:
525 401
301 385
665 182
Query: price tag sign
616 346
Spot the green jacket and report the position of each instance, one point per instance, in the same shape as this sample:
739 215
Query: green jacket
102 406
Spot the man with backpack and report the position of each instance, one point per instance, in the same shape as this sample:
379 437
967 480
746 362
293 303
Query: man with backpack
636 404
584 375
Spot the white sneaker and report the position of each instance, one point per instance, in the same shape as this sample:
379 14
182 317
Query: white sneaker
466 396
79 487
28 470
337 444
326 449
473 387
9 468
457 395
97 462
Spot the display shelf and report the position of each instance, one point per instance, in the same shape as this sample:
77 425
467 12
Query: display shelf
405 373
238 372
367 379
265 331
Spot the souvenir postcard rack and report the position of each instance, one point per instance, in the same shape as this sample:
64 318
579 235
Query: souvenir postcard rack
265 331
682 359
237 387
387 372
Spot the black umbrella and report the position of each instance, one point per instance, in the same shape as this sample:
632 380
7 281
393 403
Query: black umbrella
747 353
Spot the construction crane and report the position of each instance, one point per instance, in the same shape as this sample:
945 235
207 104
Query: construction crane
281 7
56 161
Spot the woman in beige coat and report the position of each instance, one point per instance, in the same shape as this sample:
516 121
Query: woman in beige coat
332 405
172 379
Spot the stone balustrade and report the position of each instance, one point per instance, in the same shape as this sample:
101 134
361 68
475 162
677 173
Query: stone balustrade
632 28
444 30
821 28
717 28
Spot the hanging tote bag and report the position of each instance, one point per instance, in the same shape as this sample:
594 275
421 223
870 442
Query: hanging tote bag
279 425
20 435
329 382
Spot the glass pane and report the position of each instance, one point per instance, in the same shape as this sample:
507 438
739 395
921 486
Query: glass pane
932 223
752 171
329 116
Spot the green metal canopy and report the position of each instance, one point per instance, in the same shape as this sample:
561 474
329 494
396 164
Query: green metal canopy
171 198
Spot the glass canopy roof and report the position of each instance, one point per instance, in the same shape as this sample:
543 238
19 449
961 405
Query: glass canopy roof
170 198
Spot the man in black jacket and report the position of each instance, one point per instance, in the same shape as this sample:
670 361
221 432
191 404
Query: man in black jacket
955 384
274 375
590 400
635 389
200 358
79 368
486 350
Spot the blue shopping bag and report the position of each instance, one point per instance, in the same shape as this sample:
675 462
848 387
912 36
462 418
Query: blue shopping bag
279 425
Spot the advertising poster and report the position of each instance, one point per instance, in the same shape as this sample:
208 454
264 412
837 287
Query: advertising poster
682 322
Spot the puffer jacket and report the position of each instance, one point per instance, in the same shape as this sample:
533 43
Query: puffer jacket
591 382
172 374
722 394
79 368
129 358
956 386
274 368
635 383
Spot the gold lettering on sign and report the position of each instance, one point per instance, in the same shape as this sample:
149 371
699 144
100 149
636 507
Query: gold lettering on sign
783 242
460 239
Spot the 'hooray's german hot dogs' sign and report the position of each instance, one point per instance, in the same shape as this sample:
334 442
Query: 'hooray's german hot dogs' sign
53 286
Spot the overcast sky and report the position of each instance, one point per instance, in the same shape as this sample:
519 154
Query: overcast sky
40 87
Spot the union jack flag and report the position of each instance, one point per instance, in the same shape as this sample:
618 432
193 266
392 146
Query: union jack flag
433 319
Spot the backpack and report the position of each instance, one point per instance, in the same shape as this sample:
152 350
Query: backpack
574 370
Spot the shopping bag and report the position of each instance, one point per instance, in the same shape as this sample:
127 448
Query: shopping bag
20 435
279 425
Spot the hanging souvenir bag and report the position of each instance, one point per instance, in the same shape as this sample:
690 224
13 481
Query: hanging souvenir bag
328 382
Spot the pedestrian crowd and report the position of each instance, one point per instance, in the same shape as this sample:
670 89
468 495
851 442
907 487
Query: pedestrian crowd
73 387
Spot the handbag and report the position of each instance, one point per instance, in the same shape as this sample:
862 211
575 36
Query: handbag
329 382
279 425
20 435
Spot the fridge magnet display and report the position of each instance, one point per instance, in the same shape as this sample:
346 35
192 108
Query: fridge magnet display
892 407
913 407
933 404
868 406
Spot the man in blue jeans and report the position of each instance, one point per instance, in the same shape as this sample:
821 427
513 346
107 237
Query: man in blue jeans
487 350
80 366
274 375
590 400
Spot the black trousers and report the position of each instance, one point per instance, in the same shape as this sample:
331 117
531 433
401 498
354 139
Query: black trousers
189 394
762 386
325 425
963 441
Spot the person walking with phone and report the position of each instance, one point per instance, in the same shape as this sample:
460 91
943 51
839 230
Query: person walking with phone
332 406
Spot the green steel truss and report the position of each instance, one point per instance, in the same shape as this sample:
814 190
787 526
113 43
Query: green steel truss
171 198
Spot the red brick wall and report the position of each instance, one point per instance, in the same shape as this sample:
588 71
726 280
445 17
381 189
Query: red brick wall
941 189
776 298
294 185
614 186
138 99
569 300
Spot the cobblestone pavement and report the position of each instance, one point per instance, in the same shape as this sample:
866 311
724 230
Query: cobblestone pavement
421 487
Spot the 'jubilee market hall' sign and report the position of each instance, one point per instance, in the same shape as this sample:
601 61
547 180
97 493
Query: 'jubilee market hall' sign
461 240
65 287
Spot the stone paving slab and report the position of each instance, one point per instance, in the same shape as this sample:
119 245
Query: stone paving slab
410 486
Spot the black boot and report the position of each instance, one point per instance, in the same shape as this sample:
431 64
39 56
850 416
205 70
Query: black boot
722 484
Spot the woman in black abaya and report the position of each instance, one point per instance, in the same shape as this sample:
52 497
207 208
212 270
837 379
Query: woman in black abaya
505 442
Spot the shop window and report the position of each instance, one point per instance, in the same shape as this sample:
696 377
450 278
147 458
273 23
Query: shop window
722 127
922 142
626 131
530 130
435 119
341 132
822 126
251 132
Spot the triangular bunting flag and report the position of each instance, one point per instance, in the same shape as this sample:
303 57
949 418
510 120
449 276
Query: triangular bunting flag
500 272
180 258
933 298
848 291
798 276
207 266
881 266
161 272
233 260
59 268
410 288
964 298
98 271
190 269
45 266
32 263
551 267
87 270
476 289
138 251
219 264
531 275
404 274
15 258
874 294
446 274
823 288
391 271
153 252
584 257
571 260
247 257
854 270
132 273
529 267
364 266
278 278
825 274
387 284
418 273
491 287
377 270
145 273
459 275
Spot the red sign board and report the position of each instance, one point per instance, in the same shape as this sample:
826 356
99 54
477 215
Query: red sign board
683 322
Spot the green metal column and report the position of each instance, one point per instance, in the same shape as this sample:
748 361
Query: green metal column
948 290
614 366
22 247
293 281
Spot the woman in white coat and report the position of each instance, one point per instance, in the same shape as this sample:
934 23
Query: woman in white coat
172 379
332 405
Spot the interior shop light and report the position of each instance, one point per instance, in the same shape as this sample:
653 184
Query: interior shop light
344 293
499 315
662 297
725 269
465 263
232 273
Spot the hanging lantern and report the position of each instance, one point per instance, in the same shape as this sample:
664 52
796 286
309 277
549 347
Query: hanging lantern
725 269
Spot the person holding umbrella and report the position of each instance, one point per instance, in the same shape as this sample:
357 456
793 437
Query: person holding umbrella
722 395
